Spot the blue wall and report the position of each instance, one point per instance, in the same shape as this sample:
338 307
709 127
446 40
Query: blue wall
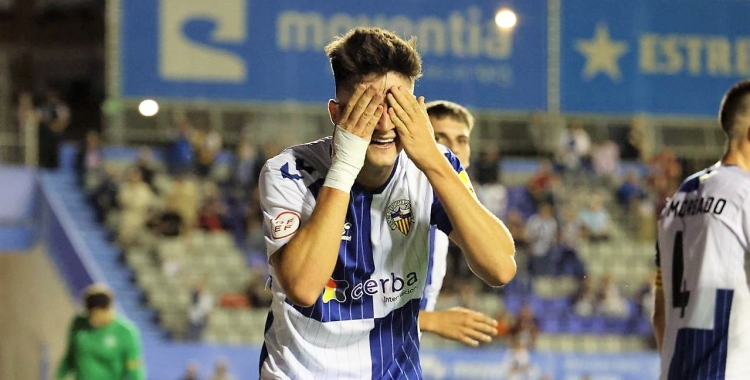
18 207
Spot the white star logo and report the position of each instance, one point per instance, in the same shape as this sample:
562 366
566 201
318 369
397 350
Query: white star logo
602 54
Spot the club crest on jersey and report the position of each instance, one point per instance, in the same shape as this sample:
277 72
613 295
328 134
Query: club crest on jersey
399 215
335 290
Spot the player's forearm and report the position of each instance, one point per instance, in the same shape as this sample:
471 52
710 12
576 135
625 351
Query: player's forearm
306 262
484 239
426 321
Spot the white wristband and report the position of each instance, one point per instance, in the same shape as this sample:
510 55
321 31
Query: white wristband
347 159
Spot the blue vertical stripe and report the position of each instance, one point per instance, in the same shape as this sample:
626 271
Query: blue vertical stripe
394 344
430 265
438 216
702 354
354 266
264 350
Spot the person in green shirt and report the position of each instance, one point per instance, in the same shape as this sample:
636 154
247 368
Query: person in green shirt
102 345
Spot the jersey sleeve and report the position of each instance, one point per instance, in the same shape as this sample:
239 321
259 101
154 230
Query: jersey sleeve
133 356
437 264
67 364
282 200
746 218
438 216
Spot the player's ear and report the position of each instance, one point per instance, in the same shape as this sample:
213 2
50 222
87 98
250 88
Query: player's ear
334 110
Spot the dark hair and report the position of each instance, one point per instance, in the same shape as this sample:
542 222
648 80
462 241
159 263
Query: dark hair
97 296
733 104
443 108
365 51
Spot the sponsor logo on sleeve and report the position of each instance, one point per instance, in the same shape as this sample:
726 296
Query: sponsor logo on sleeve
285 225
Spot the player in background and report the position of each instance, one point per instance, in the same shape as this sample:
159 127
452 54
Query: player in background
348 219
452 124
102 344
702 304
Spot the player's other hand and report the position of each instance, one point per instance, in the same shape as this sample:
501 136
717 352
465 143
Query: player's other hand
362 112
415 132
462 325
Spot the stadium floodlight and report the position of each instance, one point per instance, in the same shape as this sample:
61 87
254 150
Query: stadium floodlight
148 108
505 19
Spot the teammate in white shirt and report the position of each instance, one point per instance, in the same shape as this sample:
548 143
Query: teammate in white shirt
452 124
347 223
702 304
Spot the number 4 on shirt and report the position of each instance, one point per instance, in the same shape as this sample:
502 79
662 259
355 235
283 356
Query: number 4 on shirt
680 297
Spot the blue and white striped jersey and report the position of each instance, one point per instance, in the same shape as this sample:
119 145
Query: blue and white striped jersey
364 324
702 248
438 269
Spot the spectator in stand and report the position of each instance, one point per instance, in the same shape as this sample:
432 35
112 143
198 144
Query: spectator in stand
244 175
525 329
104 196
595 221
89 163
665 165
631 146
222 371
611 303
573 146
201 304
28 121
567 260
605 159
147 165
135 199
517 228
517 363
54 117
541 231
184 199
166 222
181 149
487 168
540 184
570 228
207 145
645 299
662 190
255 241
585 299
494 196
213 210
630 191
191 372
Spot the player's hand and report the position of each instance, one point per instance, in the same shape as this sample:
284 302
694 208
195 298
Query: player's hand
461 325
415 132
361 114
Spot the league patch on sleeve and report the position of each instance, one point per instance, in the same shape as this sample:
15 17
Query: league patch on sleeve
284 225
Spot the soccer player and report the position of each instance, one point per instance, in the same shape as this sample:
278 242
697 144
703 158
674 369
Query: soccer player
702 304
348 219
452 124
102 344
